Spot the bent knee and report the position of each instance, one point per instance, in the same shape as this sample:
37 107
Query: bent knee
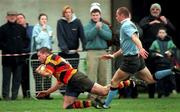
65 107
114 83
150 81
105 91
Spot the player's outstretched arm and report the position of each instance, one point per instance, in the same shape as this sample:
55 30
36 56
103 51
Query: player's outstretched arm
107 56
50 90
111 56
138 43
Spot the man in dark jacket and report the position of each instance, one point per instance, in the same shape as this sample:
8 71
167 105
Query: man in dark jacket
69 32
12 42
21 19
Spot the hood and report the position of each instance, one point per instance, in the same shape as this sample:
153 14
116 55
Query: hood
73 18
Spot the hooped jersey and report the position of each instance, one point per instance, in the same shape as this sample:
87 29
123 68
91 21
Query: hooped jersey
60 68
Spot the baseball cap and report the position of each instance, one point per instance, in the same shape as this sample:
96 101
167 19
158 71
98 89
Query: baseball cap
9 13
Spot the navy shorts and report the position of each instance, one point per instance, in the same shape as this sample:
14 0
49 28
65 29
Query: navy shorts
79 83
132 64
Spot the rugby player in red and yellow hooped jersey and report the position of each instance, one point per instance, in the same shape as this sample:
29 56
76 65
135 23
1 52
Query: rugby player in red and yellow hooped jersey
60 69
76 81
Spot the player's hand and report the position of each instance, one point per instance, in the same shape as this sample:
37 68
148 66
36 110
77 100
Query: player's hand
143 53
159 55
107 56
41 94
40 68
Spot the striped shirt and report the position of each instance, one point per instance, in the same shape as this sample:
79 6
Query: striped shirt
60 68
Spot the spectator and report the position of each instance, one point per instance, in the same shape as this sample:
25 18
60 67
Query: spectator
69 32
162 51
12 41
150 25
41 37
97 33
25 70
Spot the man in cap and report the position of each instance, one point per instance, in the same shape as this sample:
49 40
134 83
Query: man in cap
12 43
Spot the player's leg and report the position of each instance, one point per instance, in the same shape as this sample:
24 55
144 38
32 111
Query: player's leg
149 78
119 76
130 65
146 75
69 102
99 89
126 83
162 73
79 83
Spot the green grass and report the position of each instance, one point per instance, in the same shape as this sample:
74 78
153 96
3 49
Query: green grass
141 104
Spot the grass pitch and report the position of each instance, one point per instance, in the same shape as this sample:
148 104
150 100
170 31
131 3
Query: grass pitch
141 104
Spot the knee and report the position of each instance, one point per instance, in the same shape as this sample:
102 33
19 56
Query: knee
152 81
114 83
104 93
65 107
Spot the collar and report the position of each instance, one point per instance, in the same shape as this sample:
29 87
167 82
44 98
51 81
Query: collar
48 58
127 19
73 18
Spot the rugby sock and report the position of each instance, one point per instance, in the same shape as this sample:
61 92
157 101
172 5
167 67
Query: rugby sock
163 73
79 104
125 83
121 85
112 93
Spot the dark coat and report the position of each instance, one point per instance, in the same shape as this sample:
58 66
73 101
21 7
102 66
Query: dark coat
13 40
68 35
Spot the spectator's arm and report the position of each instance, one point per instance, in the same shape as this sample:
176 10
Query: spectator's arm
60 37
82 35
90 32
105 32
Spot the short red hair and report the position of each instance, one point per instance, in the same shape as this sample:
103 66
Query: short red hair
65 8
